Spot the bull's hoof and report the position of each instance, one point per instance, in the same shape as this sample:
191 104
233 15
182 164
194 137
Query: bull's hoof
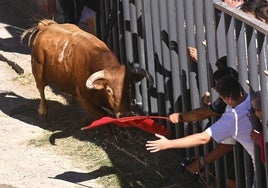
42 109
42 116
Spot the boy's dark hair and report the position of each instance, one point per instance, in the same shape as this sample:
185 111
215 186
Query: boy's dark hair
229 86
250 6
218 74
221 62
261 11
256 96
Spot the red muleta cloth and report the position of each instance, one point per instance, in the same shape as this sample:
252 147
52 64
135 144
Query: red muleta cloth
143 122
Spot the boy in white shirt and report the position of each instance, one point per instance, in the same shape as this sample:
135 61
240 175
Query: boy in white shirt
234 123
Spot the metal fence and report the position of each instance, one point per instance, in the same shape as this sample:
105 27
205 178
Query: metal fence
155 34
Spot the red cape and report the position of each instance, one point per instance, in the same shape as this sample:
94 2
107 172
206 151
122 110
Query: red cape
143 122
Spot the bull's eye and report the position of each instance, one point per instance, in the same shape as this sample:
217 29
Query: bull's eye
109 90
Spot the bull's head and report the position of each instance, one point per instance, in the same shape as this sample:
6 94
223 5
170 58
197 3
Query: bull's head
116 84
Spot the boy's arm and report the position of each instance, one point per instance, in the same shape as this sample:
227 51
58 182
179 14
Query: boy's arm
210 157
186 142
197 114
215 109
194 115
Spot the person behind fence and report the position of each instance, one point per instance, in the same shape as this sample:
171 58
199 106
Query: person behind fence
82 13
257 135
261 12
88 18
234 3
71 10
234 122
249 7
87 21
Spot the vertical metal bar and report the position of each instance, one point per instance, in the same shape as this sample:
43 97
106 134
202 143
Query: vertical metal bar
183 57
158 58
128 38
238 158
173 47
241 53
252 58
141 51
189 24
220 32
182 104
101 19
147 25
230 42
134 35
166 53
120 26
210 39
190 38
248 169
192 71
107 9
114 31
258 173
175 71
200 38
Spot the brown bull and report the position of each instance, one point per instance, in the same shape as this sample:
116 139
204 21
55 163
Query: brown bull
80 64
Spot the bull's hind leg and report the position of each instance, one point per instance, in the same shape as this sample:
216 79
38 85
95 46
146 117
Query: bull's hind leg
37 69
42 109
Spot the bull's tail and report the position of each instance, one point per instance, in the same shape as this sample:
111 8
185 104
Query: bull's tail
31 32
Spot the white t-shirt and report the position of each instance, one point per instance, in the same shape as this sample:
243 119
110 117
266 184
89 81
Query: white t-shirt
229 141
235 123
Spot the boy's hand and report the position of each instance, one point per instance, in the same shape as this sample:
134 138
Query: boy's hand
174 118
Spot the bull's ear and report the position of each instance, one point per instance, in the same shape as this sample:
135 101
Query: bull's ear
96 80
137 74
135 77
99 84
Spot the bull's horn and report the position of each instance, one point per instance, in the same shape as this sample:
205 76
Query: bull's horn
143 73
266 72
95 76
